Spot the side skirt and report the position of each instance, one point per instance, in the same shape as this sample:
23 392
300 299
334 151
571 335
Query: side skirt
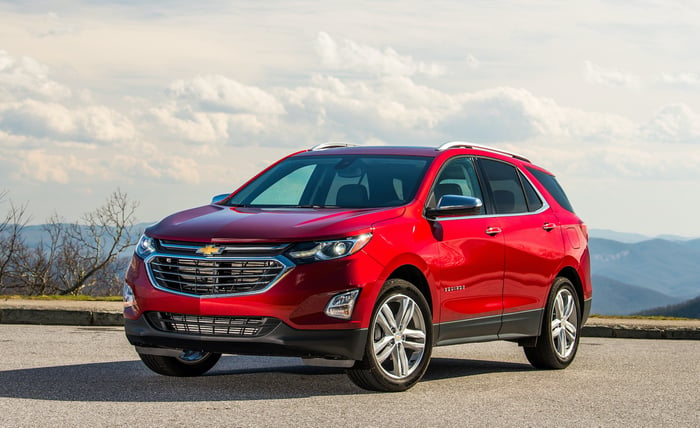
512 326
521 324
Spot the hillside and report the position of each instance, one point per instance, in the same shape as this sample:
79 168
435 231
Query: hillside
667 267
611 297
688 309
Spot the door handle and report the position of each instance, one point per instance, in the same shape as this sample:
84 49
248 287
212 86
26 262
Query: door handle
493 231
548 226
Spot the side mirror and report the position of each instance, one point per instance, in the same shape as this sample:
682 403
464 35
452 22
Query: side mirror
455 205
218 198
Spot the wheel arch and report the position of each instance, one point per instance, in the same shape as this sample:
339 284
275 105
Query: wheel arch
415 276
571 274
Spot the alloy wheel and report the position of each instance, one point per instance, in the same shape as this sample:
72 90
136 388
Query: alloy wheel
399 335
564 323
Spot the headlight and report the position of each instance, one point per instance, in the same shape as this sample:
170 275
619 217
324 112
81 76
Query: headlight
146 246
307 252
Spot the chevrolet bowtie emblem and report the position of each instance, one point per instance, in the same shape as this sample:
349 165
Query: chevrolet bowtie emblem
210 250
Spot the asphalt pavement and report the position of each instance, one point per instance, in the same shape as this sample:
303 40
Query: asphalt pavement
101 313
90 376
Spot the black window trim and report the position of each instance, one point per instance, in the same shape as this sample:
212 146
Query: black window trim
486 192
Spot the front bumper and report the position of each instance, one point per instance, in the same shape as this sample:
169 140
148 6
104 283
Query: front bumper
283 340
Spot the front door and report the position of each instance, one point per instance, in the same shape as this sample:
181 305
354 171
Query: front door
471 257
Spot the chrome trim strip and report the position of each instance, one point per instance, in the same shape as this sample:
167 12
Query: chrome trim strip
287 266
544 208
224 247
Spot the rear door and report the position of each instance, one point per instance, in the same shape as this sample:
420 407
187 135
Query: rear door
534 246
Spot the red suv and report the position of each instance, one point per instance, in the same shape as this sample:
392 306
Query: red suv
365 258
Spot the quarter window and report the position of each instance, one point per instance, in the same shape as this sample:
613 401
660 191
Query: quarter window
534 202
552 185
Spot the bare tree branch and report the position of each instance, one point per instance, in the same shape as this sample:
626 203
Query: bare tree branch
96 243
11 227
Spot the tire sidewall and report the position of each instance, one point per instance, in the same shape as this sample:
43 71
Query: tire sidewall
559 284
392 288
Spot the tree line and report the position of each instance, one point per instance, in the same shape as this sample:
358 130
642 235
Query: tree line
83 257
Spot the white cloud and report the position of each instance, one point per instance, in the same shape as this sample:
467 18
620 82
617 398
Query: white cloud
397 109
675 123
55 26
216 93
184 123
46 167
25 77
611 77
472 62
510 114
54 121
163 167
681 79
349 55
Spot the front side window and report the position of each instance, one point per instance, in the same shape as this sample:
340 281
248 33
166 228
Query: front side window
457 177
350 181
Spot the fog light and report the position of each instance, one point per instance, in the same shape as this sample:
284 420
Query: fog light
128 297
341 305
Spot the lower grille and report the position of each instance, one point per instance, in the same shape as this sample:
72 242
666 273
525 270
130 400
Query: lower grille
212 325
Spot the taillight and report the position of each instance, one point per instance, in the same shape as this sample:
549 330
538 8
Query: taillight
584 230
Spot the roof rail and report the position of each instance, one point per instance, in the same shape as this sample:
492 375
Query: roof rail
330 145
466 145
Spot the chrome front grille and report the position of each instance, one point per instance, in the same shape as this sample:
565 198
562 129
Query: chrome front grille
213 276
212 325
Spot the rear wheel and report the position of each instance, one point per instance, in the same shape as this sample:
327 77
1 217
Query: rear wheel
556 347
187 364
399 342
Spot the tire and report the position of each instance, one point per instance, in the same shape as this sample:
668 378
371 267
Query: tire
188 364
399 341
556 347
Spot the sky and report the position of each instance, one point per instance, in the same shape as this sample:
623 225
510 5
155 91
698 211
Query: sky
173 102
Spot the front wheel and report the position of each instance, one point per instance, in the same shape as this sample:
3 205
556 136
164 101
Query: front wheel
556 347
399 341
187 364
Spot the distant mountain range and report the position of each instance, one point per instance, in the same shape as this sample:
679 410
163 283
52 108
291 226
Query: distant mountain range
631 273
689 309
638 276
632 238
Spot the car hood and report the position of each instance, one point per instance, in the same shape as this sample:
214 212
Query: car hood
215 223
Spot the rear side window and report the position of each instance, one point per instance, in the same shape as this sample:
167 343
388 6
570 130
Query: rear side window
506 189
552 185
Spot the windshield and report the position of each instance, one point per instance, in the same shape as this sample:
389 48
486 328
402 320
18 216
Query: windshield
351 181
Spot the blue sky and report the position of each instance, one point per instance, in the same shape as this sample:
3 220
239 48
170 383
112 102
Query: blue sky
174 102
